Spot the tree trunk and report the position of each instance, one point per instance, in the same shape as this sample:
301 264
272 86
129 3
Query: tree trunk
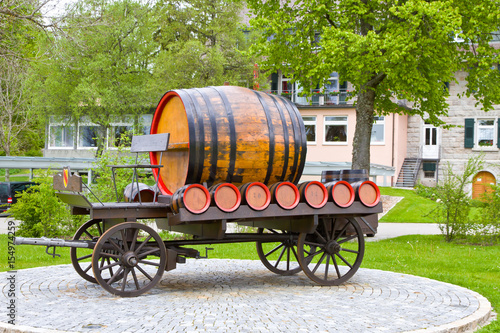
363 132
7 175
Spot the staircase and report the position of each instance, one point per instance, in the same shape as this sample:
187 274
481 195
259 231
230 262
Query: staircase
408 173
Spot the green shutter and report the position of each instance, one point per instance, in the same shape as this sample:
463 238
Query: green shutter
274 81
498 129
469 133
429 166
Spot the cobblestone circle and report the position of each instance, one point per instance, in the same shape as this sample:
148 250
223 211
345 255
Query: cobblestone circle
218 295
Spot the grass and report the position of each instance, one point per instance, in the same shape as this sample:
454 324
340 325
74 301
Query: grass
473 267
16 175
411 209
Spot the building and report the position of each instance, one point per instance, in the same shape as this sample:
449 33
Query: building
431 150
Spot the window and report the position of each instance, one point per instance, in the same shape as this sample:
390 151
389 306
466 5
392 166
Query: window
87 135
310 125
61 136
429 169
120 132
336 129
485 132
331 89
482 133
145 124
378 130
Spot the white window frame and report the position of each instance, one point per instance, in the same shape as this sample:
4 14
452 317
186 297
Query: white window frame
336 122
55 124
81 124
379 120
478 127
312 122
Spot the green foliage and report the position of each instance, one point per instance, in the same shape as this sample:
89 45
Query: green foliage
388 50
100 69
202 45
486 226
425 191
103 186
41 212
453 210
408 47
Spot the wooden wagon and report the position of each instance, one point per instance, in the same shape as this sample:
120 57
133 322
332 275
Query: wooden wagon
222 156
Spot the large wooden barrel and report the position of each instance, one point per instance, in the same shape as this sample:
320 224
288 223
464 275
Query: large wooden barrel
228 134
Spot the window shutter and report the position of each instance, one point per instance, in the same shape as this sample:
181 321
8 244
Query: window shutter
469 133
274 81
498 130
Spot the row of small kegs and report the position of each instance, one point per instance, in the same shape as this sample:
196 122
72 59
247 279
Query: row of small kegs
340 188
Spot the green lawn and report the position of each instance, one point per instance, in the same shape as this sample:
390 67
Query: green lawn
412 209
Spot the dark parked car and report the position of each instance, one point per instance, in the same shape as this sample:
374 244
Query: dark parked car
8 191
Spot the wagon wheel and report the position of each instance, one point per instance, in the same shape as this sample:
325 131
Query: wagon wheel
279 257
90 230
338 249
134 274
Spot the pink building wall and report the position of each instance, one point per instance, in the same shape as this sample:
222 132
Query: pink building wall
390 153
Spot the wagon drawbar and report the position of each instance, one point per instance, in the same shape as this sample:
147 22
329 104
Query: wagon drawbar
314 227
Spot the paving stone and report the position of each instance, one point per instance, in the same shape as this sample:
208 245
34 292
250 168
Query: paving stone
242 296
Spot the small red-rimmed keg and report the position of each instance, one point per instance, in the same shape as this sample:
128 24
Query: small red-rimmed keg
313 193
285 194
256 195
341 193
225 196
193 197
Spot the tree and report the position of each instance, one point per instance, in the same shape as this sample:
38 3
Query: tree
201 43
15 113
391 49
102 70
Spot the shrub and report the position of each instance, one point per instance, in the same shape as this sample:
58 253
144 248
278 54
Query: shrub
41 213
425 191
103 183
453 210
486 226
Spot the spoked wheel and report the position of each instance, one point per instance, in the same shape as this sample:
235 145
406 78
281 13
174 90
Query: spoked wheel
279 257
80 257
333 253
132 273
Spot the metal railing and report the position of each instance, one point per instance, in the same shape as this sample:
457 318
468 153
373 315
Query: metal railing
318 97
